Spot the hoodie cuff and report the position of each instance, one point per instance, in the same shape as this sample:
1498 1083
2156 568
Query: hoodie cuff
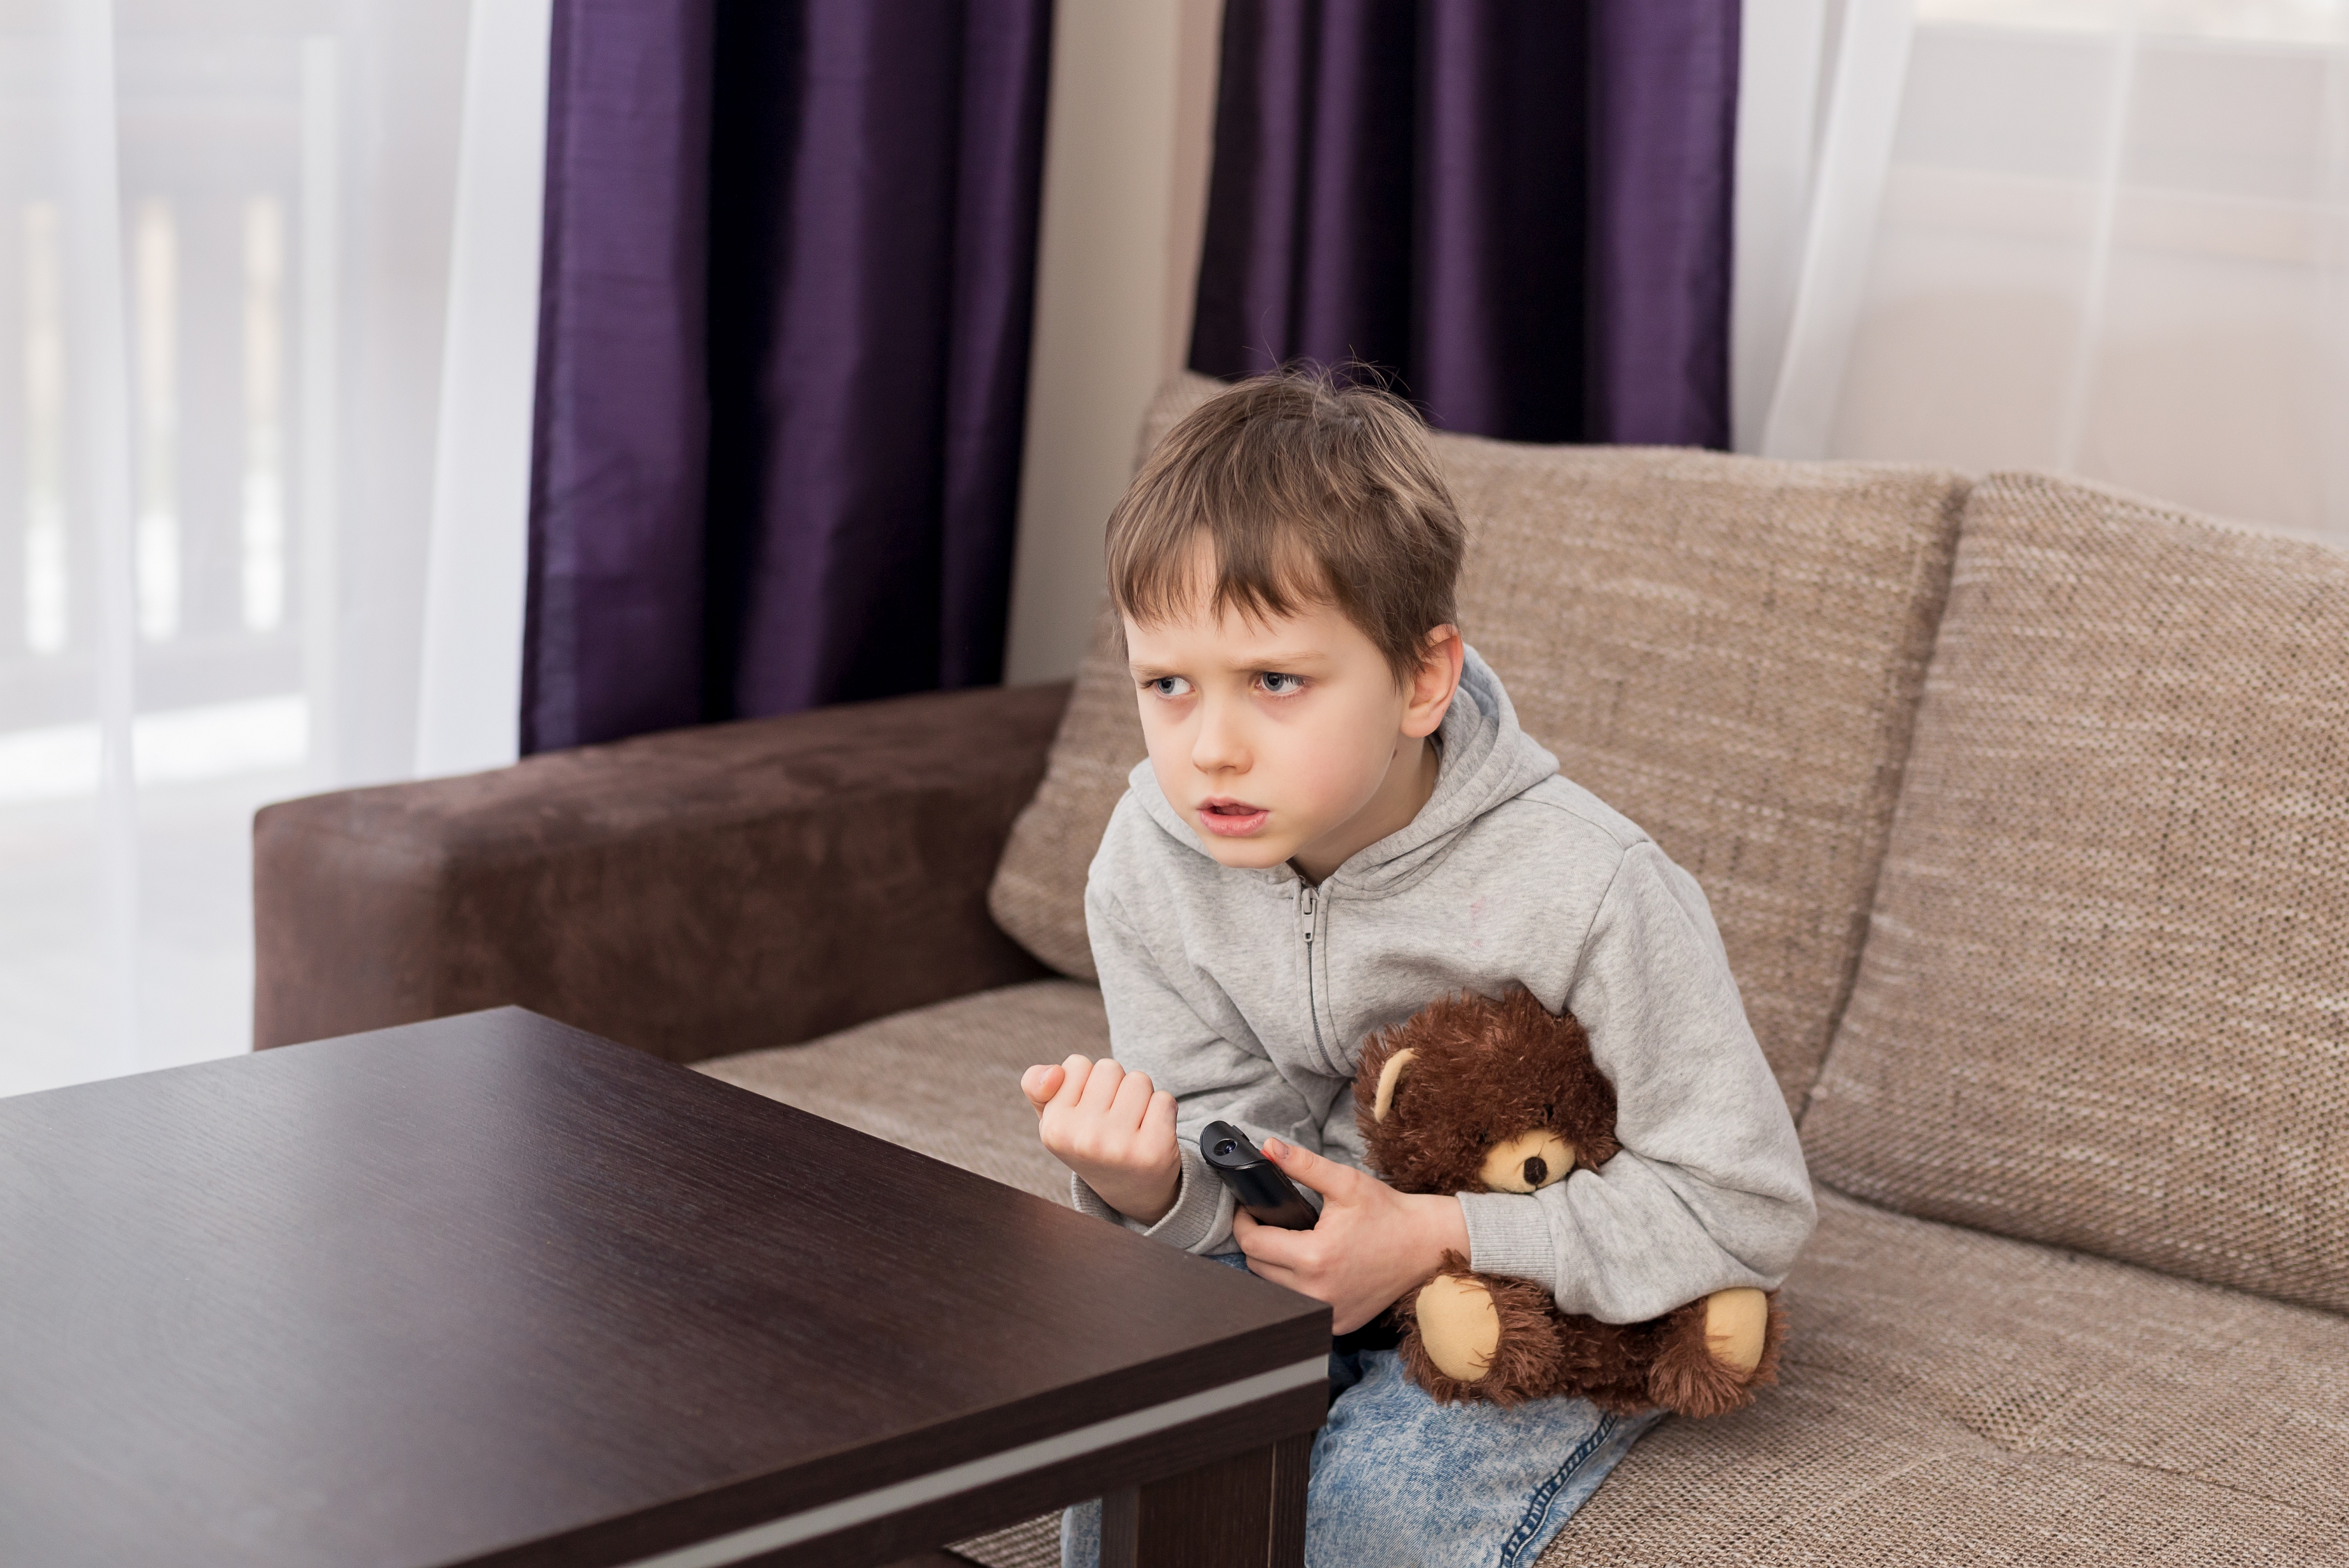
1200 1222
1509 1235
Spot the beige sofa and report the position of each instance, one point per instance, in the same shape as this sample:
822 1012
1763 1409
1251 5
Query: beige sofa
2023 807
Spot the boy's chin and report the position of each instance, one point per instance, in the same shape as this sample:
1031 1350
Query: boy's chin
1245 854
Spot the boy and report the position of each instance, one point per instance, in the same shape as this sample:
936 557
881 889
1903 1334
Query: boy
1340 822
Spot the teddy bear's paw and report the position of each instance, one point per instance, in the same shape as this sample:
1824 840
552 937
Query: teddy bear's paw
1471 1336
1459 1326
1735 1322
1716 1352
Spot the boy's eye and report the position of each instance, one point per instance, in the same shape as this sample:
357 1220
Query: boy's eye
1168 686
1281 686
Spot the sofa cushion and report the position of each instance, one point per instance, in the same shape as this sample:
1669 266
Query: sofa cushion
942 1080
1039 893
1726 649
2105 1002
1953 1397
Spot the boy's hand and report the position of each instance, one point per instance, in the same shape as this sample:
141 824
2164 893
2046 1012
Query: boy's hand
1111 1128
1372 1243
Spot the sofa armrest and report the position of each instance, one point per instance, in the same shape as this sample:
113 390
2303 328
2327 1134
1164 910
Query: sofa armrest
690 894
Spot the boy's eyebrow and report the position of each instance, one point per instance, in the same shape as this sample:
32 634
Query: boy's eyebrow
1286 658
1277 659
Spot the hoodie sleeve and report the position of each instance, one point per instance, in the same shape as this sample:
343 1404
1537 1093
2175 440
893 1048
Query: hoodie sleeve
1154 1029
1710 1190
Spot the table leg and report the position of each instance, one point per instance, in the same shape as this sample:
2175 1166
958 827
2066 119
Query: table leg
1245 1511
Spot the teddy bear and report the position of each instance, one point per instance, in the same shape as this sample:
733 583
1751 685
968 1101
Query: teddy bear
1472 1095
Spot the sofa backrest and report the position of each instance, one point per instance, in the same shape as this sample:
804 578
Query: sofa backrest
1727 649
2106 1001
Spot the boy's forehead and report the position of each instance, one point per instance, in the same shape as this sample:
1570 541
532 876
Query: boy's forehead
1237 636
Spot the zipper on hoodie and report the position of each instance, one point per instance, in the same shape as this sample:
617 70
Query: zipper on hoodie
1312 1002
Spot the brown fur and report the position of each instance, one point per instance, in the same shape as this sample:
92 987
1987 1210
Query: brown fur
1529 1069
1484 1072
1686 1379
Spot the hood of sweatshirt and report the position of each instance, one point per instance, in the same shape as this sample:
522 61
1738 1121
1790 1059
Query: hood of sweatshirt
1486 760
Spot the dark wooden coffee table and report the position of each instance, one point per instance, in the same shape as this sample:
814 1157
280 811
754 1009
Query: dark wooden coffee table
491 1290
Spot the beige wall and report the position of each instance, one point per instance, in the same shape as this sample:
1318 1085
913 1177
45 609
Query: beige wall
1126 182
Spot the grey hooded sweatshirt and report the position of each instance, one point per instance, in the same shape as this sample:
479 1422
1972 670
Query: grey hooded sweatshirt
1249 994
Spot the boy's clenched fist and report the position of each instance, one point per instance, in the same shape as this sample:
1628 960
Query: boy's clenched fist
1113 1128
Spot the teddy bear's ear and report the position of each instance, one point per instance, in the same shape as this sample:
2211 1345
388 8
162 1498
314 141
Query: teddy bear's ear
1390 1079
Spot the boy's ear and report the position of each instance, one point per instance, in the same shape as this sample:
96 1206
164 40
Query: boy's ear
1437 678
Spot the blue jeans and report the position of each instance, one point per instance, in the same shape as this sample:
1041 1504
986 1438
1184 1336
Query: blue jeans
1401 1481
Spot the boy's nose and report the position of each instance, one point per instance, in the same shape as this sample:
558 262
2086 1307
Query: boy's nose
1217 747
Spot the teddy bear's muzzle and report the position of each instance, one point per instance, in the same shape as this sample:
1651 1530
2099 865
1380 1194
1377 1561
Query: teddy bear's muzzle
1527 1161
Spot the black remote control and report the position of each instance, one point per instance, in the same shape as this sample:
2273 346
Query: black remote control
1269 1197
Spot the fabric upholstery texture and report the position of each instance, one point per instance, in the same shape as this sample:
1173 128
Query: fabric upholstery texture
1039 893
1726 649
942 1080
1958 1398
2106 1004
689 893
1033 1543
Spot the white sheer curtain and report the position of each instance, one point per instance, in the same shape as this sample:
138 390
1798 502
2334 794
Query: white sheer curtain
224 269
2105 237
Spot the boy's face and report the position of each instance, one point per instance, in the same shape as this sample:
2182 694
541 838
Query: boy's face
1279 739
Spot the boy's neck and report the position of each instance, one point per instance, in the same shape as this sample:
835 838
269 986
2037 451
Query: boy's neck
1409 785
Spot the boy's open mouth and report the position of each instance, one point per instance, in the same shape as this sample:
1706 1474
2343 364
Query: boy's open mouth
1231 819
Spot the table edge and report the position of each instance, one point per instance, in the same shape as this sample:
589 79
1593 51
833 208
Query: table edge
825 1519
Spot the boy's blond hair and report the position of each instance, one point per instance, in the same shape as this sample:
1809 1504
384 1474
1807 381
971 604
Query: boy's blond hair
1305 489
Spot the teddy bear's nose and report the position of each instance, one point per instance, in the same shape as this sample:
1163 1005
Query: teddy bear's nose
1527 1162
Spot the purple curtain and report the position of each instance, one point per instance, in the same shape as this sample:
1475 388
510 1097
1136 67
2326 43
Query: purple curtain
1521 211
783 354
